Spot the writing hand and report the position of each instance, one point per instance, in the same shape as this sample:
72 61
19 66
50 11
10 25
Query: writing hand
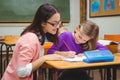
80 55
70 54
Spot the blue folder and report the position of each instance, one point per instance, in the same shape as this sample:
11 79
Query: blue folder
98 56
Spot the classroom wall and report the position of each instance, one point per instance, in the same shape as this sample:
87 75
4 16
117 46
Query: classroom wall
109 25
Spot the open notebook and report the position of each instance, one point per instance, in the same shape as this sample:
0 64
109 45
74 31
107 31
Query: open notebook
76 58
107 42
93 56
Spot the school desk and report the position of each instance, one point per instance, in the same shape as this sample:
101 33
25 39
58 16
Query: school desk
83 65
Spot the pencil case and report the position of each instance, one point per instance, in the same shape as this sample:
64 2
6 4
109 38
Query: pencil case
98 56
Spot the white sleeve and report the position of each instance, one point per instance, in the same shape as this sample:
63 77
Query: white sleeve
24 71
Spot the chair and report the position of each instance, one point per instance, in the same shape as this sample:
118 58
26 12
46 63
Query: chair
9 41
112 47
47 45
113 37
1 44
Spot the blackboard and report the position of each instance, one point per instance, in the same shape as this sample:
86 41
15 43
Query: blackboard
24 10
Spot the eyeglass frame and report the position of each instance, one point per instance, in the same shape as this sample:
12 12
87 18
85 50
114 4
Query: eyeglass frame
55 24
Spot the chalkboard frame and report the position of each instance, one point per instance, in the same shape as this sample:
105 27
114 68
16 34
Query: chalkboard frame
6 15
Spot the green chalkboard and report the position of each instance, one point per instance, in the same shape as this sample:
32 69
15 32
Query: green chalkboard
24 10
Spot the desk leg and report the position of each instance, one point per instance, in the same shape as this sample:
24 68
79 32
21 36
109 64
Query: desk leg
108 73
113 76
35 75
114 70
52 74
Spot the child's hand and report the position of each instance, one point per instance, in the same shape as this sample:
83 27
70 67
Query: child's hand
80 55
69 54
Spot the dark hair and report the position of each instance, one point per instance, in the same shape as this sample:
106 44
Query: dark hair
44 12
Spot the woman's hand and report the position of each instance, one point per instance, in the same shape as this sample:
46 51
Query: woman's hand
68 54
53 57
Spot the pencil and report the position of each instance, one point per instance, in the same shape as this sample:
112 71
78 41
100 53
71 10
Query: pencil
66 45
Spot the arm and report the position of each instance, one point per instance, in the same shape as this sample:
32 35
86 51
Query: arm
27 51
31 67
62 48
68 54
101 47
36 64
56 50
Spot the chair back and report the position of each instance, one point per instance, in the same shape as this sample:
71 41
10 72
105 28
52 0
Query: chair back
47 45
113 37
11 39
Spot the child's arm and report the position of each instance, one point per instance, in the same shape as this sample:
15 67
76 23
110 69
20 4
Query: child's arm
68 54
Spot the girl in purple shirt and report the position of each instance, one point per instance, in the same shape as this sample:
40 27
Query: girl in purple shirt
83 39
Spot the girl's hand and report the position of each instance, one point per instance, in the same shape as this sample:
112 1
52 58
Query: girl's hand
80 55
69 54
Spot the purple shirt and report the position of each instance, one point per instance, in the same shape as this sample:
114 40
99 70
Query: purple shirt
67 43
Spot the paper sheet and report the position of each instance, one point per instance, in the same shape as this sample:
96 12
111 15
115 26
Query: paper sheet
76 58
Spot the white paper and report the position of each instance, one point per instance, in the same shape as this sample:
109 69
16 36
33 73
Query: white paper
105 42
76 58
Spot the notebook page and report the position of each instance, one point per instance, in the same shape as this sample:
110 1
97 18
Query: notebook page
76 58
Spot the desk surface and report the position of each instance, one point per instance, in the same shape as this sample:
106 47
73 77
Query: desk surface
69 65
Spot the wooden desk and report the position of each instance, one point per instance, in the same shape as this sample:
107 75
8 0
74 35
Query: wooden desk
83 65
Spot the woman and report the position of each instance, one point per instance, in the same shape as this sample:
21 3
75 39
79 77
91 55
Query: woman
26 55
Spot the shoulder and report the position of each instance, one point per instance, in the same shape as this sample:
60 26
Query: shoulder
29 38
30 35
66 34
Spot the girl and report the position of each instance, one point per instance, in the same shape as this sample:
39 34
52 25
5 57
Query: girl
84 38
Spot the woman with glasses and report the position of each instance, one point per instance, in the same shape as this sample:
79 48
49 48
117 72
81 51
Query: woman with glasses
84 38
26 55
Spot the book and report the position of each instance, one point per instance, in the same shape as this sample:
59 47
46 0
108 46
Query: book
108 42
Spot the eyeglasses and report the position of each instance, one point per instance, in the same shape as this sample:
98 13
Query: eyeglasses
55 23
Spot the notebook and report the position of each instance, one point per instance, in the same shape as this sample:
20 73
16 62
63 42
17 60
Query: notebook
76 58
98 56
